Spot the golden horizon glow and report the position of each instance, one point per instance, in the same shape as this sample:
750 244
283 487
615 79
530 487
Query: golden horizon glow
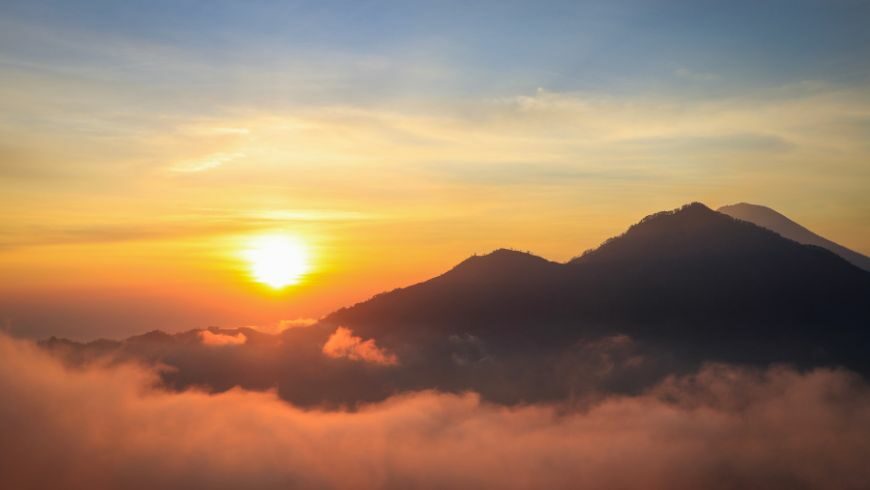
133 179
277 261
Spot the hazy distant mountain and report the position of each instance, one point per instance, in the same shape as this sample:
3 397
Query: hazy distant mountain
678 289
772 220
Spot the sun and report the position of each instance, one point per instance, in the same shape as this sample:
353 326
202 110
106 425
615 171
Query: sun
277 260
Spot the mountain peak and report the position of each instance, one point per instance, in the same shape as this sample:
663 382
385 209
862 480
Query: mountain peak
502 262
690 211
503 256
746 205
691 227
760 215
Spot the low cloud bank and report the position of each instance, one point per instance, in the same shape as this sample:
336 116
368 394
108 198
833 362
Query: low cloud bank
343 343
296 323
282 325
220 339
724 427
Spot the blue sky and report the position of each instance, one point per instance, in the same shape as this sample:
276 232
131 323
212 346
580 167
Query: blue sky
697 48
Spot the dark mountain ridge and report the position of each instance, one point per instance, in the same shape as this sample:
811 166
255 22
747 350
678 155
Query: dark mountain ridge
678 289
691 276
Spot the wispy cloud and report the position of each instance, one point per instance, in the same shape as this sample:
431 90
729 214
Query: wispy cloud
208 163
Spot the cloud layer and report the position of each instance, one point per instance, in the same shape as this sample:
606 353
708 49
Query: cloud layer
721 428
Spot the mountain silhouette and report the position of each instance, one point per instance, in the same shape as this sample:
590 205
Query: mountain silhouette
774 221
693 279
677 290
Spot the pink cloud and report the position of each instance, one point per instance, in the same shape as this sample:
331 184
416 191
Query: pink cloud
219 339
343 343
108 427
296 323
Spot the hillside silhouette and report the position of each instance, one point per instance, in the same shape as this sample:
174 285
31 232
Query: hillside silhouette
677 290
716 287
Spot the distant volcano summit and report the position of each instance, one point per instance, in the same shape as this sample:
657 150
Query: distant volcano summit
772 220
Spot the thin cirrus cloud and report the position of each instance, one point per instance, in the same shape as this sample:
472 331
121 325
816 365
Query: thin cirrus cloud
198 223
587 136
548 126
774 429
208 163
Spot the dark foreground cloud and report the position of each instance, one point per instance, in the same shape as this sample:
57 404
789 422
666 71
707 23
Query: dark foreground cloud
108 427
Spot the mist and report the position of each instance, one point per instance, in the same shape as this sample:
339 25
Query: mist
112 426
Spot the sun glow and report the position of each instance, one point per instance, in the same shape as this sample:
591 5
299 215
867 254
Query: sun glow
277 260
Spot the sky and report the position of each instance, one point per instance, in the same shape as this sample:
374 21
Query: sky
145 145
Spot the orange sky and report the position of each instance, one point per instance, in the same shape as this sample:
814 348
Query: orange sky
153 238
138 158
